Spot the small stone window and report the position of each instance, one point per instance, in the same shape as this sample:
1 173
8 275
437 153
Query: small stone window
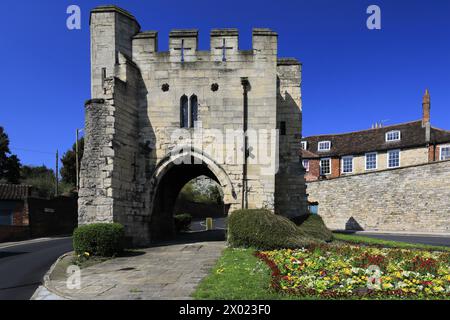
283 130
194 110
184 111
165 87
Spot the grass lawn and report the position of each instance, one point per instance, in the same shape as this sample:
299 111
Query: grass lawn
385 243
239 275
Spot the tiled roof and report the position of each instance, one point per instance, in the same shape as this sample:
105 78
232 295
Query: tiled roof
14 192
308 154
360 142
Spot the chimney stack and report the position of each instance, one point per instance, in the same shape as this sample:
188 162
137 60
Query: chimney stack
426 106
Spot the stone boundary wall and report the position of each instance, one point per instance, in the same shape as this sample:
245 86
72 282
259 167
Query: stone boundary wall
410 199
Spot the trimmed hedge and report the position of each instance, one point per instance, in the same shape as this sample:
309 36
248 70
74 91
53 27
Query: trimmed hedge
263 230
183 222
315 228
100 239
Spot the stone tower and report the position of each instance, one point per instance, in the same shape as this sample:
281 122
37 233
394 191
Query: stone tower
157 120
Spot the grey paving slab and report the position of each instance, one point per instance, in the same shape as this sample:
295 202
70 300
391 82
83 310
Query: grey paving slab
164 272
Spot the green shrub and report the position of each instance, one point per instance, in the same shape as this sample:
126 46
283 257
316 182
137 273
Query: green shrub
183 222
101 239
263 230
314 227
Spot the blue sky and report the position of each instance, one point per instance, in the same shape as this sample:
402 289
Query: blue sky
352 76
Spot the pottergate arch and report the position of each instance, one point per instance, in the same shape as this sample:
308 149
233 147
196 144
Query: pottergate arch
141 96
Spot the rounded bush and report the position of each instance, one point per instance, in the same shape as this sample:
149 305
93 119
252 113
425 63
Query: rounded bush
314 227
101 239
263 230
183 222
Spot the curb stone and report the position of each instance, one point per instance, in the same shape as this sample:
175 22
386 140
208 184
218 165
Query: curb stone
46 281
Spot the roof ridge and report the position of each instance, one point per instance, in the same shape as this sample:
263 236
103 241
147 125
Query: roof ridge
359 131
439 129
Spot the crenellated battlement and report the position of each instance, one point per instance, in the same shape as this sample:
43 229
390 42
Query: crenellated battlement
224 44
121 28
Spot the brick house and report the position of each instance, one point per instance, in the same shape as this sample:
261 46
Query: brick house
380 148
14 213
24 215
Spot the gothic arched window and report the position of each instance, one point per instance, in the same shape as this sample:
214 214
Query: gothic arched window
184 111
194 110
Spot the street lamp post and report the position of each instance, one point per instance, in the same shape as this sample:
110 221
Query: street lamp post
77 160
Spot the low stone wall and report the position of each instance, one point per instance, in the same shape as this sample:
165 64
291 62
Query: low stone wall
411 199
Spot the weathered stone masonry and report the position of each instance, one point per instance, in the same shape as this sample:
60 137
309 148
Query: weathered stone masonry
128 174
413 199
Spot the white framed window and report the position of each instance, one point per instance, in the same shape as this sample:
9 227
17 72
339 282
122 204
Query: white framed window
444 152
371 161
347 164
306 165
324 146
325 167
305 145
393 159
393 136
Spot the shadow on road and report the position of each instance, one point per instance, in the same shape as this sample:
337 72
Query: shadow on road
6 254
194 237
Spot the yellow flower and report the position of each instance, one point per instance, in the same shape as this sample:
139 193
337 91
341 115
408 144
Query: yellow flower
87 254
220 271
387 286
438 289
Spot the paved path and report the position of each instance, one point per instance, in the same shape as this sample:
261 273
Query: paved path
24 264
171 271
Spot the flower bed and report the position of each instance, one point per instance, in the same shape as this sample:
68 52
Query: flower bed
346 271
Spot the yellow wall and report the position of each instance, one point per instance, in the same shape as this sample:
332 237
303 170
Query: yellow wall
408 157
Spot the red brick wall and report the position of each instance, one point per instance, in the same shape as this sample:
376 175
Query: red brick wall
14 233
335 168
20 214
314 170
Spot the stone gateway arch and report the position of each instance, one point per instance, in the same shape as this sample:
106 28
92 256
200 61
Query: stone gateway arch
157 120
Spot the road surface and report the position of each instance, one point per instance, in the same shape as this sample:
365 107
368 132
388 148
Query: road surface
23 266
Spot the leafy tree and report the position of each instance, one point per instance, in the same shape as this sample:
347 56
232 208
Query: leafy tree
13 166
42 179
68 171
9 164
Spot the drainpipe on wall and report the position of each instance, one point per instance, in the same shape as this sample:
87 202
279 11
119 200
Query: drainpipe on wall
246 86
